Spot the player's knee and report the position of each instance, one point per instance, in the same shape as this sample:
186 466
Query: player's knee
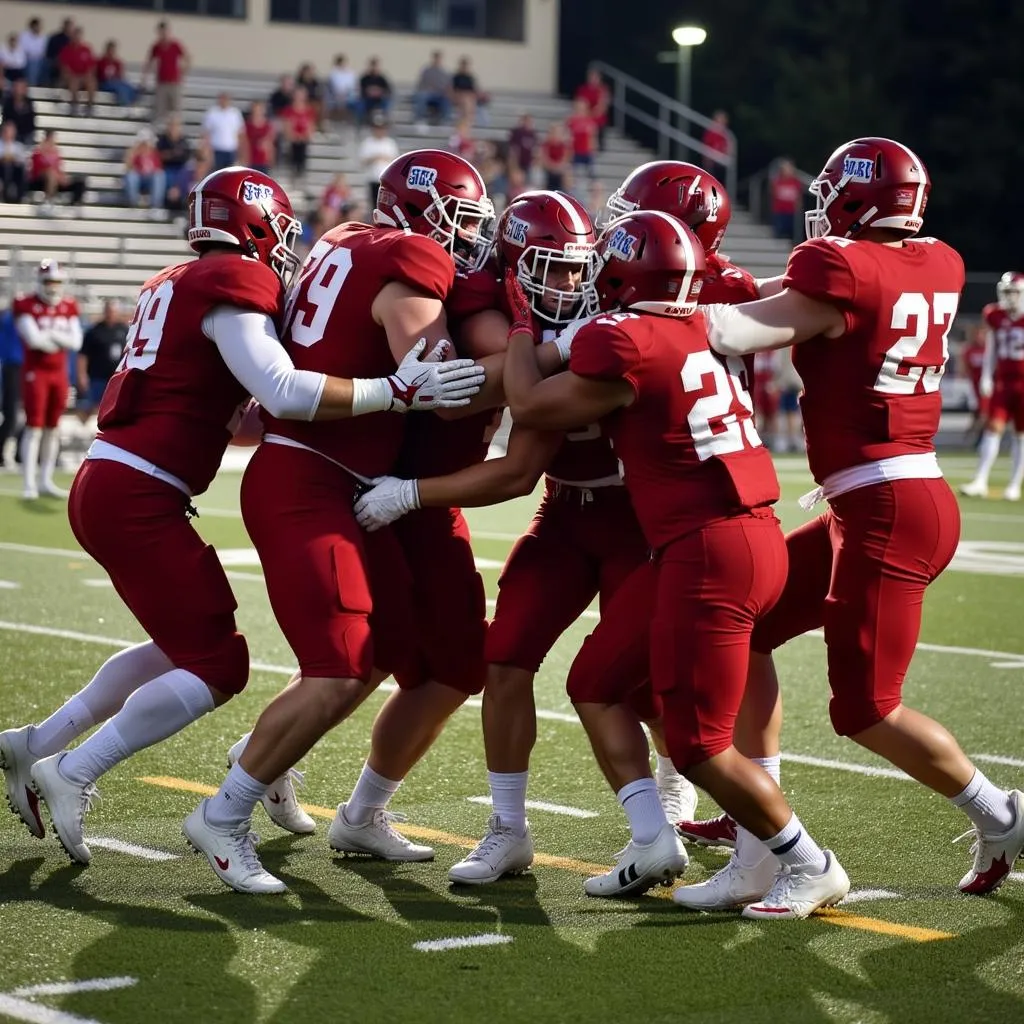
226 668
852 713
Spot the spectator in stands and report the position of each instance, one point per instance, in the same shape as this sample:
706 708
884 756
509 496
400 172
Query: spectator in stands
47 174
144 172
522 145
280 100
299 121
11 356
78 64
224 126
716 137
433 92
198 167
54 45
469 101
172 62
12 164
19 110
374 91
595 93
336 204
13 59
517 182
555 155
461 140
342 89
582 130
306 79
110 76
98 358
376 151
175 151
33 45
494 171
787 192
260 134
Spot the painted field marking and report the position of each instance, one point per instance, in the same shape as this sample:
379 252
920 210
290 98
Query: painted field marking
1016 876
66 988
33 1013
130 849
541 805
9 585
865 895
578 867
461 942
98 583
15 1004
1013 762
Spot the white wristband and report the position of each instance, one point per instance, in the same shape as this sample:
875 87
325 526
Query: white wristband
564 345
371 394
414 487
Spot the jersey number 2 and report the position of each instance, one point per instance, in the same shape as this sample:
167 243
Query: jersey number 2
907 363
715 427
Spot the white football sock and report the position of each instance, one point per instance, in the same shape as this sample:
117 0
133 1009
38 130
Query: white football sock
118 677
1017 472
646 816
665 770
156 710
372 793
795 848
988 452
750 851
988 806
48 447
236 799
508 798
30 442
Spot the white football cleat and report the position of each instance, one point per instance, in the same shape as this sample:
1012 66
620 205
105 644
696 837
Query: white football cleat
68 803
502 851
279 801
797 894
16 761
733 886
1011 493
30 492
641 867
51 490
376 837
975 489
232 855
678 797
994 854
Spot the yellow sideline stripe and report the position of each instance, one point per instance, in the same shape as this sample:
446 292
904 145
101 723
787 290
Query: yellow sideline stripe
581 867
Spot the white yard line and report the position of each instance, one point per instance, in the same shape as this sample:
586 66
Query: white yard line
131 850
865 895
9 585
541 805
461 942
33 1013
845 766
1013 762
66 988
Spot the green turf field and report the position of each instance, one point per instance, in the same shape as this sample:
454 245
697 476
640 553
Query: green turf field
342 945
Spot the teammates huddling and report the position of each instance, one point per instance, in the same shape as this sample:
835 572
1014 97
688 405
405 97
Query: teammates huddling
626 362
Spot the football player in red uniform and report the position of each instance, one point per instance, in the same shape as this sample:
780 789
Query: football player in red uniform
362 299
1002 382
48 325
867 304
703 486
202 340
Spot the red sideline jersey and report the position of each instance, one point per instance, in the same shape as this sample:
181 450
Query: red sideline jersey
1008 335
329 328
46 315
873 393
688 446
173 400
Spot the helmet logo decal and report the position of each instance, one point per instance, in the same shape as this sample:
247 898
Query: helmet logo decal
421 178
858 169
905 198
515 230
622 244
256 193
581 250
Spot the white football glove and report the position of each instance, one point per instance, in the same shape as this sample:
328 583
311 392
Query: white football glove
421 384
565 339
985 387
389 499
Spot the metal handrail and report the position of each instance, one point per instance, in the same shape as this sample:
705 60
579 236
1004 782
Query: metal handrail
670 122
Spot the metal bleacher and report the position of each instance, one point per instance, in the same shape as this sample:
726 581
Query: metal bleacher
111 249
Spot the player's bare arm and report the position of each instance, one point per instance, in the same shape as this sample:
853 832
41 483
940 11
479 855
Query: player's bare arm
788 318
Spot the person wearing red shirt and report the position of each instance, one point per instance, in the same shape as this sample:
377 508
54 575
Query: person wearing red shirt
110 76
596 95
299 121
583 132
786 191
78 70
144 171
716 137
554 156
260 133
172 63
46 173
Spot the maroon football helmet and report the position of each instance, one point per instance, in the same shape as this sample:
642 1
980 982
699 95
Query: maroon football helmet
440 195
869 182
547 238
684 190
651 263
242 207
1010 292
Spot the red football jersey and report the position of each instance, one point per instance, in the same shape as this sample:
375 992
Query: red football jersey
1008 334
173 400
725 282
873 392
689 450
46 316
329 328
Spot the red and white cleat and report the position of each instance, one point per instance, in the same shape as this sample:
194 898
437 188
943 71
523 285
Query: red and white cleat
720 831
797 894
994 854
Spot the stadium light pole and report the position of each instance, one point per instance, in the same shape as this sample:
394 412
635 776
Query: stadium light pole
686 37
